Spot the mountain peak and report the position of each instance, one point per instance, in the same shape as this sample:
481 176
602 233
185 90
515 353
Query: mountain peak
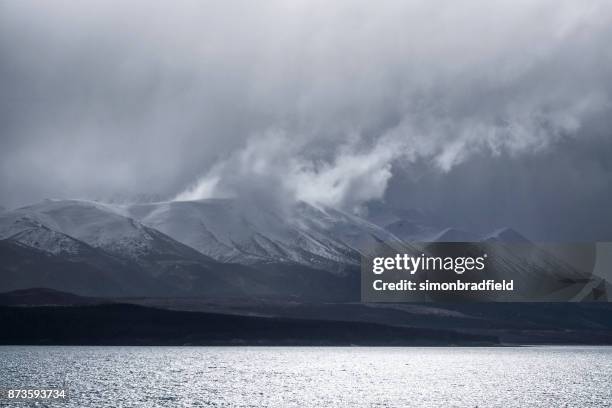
506 234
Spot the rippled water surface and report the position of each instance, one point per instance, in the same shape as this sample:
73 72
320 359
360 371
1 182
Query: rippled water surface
316 377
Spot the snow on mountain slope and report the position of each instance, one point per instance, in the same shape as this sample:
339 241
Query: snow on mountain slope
106 244
51 224
48 240
231 247
228 230
29 231
224 230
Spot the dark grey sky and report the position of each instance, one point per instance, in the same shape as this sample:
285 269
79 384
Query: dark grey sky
492 114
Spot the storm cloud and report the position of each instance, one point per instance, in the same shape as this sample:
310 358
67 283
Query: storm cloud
337 103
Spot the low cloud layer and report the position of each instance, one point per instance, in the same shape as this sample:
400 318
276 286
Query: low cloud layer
290 100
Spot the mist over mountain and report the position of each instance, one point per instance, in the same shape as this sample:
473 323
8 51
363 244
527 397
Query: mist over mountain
243 150
490 115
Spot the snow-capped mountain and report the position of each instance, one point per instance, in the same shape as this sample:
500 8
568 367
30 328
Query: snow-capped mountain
111 248
222 230
231 231
54 225
227 247
256 251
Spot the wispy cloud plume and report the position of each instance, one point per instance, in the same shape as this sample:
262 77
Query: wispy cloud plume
299 100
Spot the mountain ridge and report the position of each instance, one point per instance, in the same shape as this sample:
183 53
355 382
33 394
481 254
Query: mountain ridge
217 246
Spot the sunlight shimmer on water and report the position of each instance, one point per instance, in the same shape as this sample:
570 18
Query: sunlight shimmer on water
315 377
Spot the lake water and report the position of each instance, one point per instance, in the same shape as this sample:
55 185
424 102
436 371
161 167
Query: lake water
315 377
